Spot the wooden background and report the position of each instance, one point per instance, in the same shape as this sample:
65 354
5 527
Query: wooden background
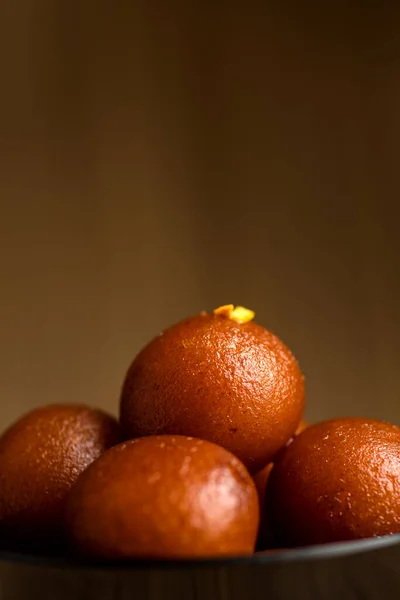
160 158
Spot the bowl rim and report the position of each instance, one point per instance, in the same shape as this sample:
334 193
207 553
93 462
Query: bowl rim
335 550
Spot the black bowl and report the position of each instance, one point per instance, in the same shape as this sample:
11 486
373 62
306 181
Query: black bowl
366 569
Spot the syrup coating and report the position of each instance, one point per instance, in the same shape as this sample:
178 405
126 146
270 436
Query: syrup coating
234 384
163 497
41 456
338 480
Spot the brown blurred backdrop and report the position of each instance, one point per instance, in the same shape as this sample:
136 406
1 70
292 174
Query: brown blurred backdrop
159 158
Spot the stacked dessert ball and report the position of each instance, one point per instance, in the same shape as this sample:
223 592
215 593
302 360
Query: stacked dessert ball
210 458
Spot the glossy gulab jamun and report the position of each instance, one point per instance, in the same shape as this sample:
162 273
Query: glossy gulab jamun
163 497
41 456
219 377
338 480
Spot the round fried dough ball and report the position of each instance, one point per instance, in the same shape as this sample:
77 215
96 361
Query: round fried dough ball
220 378
338 480
41 456
163 497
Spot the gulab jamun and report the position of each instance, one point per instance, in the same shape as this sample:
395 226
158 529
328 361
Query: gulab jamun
163 497
338 480
219 377
41 456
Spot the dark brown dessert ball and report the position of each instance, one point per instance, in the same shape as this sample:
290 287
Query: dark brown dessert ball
211 377
41 456
338 480
163 497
